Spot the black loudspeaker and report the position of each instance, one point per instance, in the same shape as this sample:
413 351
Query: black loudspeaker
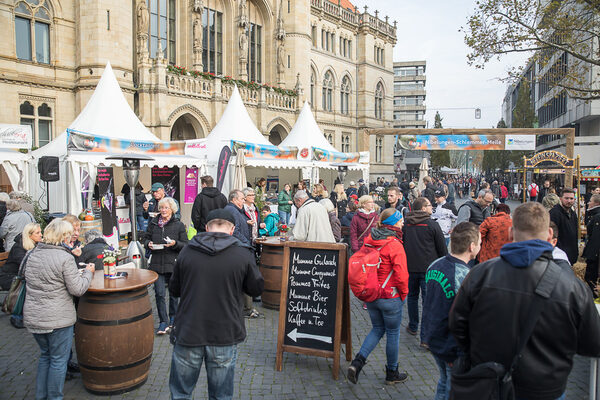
48 168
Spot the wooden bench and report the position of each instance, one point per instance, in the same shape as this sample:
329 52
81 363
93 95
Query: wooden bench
3 258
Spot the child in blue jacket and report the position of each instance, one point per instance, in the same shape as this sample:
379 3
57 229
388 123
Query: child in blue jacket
271 221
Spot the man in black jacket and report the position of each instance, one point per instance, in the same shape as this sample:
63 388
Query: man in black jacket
565 218
211 275
592 246
423 243
476 211
210 198
494 303
396 200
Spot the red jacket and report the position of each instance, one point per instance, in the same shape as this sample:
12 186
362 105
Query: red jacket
392 258
358 227
494 235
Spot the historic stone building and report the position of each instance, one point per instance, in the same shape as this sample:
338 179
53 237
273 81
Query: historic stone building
177 61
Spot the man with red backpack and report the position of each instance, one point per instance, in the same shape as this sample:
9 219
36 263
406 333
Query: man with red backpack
503 193
386 296
533 190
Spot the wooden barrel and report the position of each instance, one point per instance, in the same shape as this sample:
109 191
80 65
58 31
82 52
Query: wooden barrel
271 264
114 335
89 225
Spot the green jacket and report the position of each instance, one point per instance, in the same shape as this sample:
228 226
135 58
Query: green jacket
283 201
271 221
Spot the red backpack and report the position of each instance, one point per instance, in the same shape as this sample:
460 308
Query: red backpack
362 273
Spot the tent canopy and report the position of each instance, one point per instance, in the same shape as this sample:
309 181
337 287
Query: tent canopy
306 133
107 114
235 124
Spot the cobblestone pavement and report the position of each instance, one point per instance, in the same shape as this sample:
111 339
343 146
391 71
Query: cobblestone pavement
303 377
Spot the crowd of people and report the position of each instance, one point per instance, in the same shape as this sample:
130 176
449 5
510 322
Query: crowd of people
429 250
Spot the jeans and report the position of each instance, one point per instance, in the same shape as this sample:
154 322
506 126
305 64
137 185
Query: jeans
141 223
284 217
52 367
443 387
416 285
185 369
386 315
159 293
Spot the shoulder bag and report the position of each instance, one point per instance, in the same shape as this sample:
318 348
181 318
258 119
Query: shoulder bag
490 380
13 303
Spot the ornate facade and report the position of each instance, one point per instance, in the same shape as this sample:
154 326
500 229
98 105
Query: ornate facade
177 61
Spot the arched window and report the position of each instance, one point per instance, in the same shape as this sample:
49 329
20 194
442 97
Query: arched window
328 91
379 149
39 118
32 30
313 81
212 39
255 43
162 27
379 101
329 137
346 143
345 95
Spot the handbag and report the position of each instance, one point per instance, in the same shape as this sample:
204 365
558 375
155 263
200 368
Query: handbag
490 380
13 303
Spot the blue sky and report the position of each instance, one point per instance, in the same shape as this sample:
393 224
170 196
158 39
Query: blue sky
428 30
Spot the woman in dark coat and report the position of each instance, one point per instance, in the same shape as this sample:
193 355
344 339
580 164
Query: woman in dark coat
25 241
93 251
165 237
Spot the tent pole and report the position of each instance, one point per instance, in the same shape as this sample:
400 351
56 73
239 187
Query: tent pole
67 168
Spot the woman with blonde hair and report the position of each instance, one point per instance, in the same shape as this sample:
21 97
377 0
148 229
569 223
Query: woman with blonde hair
364 219
52 279
339 199
24 241
386 311
318 193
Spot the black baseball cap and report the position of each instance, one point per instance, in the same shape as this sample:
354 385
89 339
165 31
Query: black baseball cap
220 213
439 193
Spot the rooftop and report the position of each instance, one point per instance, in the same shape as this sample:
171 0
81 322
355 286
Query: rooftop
345 4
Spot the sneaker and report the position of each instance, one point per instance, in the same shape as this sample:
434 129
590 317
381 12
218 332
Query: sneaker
355 367
411 332
162 328
364 306
393 376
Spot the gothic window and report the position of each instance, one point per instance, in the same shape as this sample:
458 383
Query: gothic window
162 27
345 95
313 81
39 118
378 149
212 41
345 143
255 44
328 91
329 137
32 30
379 101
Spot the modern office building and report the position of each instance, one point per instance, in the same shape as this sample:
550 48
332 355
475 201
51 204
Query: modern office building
409 111
177 62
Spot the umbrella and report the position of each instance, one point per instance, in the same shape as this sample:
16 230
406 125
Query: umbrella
423 172
239 178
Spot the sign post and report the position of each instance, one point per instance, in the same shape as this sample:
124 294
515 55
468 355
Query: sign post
314 302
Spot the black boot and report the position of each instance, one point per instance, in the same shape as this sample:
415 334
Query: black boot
355 367
393 376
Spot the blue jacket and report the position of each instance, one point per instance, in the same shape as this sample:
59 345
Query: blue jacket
241 232
271 227
443 279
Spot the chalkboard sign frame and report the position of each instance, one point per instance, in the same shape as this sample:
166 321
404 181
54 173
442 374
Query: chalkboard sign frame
341 307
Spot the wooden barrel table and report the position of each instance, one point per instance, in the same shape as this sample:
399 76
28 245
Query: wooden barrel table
271 266
114 333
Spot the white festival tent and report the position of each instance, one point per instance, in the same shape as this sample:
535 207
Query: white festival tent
15 163
235 124
107 114
306 134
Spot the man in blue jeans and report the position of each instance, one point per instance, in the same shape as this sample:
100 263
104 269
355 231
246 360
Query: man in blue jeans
424 243
210 277
443 278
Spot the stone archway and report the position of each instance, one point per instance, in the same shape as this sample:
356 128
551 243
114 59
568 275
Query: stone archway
186 127
277 134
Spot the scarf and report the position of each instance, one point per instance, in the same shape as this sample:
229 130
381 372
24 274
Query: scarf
395 229
162 222
362 210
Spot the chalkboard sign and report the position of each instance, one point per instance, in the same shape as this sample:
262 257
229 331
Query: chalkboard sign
312 290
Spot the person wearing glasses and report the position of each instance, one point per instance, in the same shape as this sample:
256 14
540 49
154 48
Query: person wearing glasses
476 211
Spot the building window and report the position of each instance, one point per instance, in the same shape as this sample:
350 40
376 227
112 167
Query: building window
409 71
409 85
345 95
378 55
313 80
32 31
314 35
329 137
39 119
162 27
212 41
254 52
379 101
328 92
345 143
378 149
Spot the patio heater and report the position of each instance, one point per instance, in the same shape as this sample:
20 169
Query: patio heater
131 170
342 171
